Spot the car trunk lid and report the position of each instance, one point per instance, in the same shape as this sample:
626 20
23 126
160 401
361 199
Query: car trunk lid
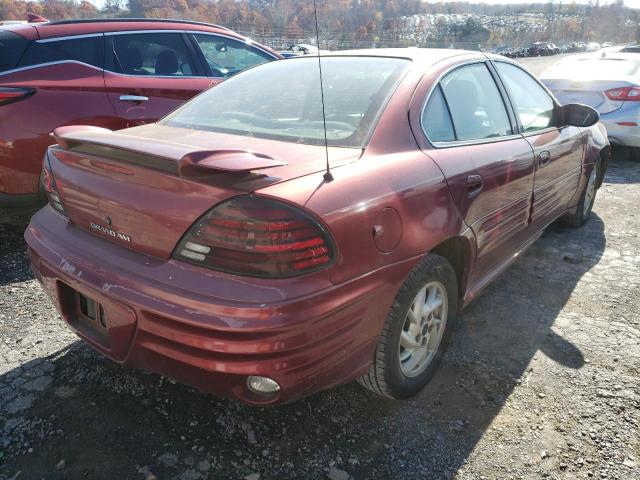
588 92
142 191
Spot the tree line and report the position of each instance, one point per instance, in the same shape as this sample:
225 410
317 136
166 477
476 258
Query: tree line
367 21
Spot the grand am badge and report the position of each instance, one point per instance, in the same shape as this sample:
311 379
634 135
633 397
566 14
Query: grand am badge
112 233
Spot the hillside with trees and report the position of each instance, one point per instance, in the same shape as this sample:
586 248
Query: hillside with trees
357 23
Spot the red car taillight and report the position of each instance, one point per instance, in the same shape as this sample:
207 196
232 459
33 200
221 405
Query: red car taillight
257 236
49 186
10 94
624 94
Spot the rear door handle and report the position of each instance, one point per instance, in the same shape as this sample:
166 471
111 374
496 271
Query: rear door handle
474 185
133 98
544 157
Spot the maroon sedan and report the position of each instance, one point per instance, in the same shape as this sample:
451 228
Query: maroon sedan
214 247
108 73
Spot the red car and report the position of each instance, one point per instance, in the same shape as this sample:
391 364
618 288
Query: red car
216 248
108 73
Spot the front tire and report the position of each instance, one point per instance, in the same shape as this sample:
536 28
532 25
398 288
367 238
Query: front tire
416 332
588 197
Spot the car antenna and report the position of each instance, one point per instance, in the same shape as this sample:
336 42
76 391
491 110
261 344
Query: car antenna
328 177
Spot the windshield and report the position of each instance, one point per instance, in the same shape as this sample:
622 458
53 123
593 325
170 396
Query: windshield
593 68
281 100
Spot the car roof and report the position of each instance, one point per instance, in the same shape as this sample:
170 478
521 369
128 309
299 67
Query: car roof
26 30
88 26
419 55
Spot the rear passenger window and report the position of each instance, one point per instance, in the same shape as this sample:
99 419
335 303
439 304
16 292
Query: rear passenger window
475 103
158 54
12 46
436 120
89 50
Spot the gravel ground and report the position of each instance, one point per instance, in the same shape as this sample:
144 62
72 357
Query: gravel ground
541 381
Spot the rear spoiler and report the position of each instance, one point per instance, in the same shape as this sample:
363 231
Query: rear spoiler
191 161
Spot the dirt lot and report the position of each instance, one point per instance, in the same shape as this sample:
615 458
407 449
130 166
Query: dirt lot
541 381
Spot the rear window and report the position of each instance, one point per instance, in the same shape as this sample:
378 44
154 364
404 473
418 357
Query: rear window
593 68
282 100
89 50
159 54
12 46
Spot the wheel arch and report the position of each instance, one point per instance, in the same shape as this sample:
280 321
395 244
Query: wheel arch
458 251
605 157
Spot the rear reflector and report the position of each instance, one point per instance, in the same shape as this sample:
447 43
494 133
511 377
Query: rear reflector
627 124
257 236
624 94
10 95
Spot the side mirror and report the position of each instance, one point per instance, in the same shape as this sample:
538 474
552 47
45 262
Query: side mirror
579 115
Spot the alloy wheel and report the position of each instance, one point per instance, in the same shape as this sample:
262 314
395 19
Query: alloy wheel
423 329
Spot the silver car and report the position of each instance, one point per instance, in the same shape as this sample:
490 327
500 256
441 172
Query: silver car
610 84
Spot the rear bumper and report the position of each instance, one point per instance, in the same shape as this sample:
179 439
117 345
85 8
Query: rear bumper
306 342
628 136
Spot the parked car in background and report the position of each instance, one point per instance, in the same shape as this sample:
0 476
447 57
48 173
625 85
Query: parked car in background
109 73
614 50
539 49
228 247
289 54
610 84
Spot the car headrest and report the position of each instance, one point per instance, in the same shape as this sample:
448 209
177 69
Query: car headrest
167 63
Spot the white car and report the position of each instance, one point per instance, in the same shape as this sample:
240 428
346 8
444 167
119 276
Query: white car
610 84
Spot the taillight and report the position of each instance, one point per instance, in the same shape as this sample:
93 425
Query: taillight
10 94
257 236
49 186
624 94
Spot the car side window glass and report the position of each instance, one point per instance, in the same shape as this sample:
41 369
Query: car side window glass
12 46
226 56
436 120
475 103
534 106
89 50
156 54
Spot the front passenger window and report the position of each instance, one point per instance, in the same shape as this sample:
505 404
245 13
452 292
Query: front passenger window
226 56
533 105
475 103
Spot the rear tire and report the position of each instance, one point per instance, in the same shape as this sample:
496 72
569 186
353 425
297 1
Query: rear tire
588 197
415 335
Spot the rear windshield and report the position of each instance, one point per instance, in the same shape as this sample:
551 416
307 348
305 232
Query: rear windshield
282 101
594 68
12 46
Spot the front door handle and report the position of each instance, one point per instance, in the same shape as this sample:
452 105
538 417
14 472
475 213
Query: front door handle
544 157
133 98
474 185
